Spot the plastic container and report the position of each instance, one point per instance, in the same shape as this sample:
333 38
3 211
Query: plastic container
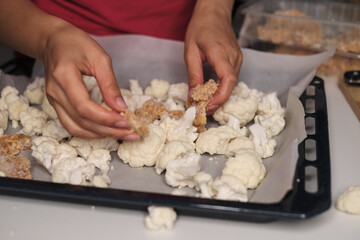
311 25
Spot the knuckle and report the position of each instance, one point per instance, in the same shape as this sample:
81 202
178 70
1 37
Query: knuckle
81 108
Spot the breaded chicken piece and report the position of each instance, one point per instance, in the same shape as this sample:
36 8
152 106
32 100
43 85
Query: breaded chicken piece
15 166
13 144
202 95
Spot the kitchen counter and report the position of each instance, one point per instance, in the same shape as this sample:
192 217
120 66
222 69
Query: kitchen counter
23 218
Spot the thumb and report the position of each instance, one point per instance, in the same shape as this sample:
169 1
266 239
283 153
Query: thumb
108 85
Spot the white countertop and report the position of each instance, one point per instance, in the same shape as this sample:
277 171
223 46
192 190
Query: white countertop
23 218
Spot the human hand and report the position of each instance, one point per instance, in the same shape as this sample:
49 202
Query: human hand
69 53
210 38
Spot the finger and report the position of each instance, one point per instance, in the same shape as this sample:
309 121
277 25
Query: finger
78 104
90 130
227 78
71 126
104 74
193 60
119 132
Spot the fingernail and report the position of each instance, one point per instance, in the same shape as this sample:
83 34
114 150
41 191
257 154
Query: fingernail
212 107
120 102
122 124
131 138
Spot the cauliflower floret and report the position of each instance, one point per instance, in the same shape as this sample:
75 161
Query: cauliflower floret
99 181
160 218
63 151
35 91
215 140
135 87
349 201
237 144
171 151
134 101
171 105
234 123
3 105
74 171
229 187
180 172
82 146
44 150
203 183
3 121
270 105
274 123
243 108
32 120
179 91
247 166
48 109
264 146
89 81
181 129
158 89
54 129
108 143
242 89
145 151
179 192
101 159
15 104
9 90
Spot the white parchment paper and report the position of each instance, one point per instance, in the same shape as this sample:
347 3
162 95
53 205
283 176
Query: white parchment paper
145 58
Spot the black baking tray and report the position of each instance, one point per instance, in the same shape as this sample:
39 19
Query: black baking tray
298 203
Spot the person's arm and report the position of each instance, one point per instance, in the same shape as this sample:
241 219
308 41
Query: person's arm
210 38
67 52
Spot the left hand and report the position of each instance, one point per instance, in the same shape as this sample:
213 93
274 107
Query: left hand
210 38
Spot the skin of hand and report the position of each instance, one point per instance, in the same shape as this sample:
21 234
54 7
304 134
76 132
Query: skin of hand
210 38
67 52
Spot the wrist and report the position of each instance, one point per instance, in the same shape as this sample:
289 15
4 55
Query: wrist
221 8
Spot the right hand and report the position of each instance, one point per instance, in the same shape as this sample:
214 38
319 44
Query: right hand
68 53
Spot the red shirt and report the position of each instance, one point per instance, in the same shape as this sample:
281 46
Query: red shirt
159 18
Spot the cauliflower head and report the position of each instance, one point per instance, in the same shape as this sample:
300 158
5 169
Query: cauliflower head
54 129
101 159
238 144
349 201
215 140
171 151
229 187
179 91
270 105
145 151
273 123
204 184
180 172
264 146
158 89
3 121
181 129
44 149
243 108
32 120
160 218
82 146
247 166
35 91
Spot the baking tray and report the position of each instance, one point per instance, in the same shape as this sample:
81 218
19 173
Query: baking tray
298 203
